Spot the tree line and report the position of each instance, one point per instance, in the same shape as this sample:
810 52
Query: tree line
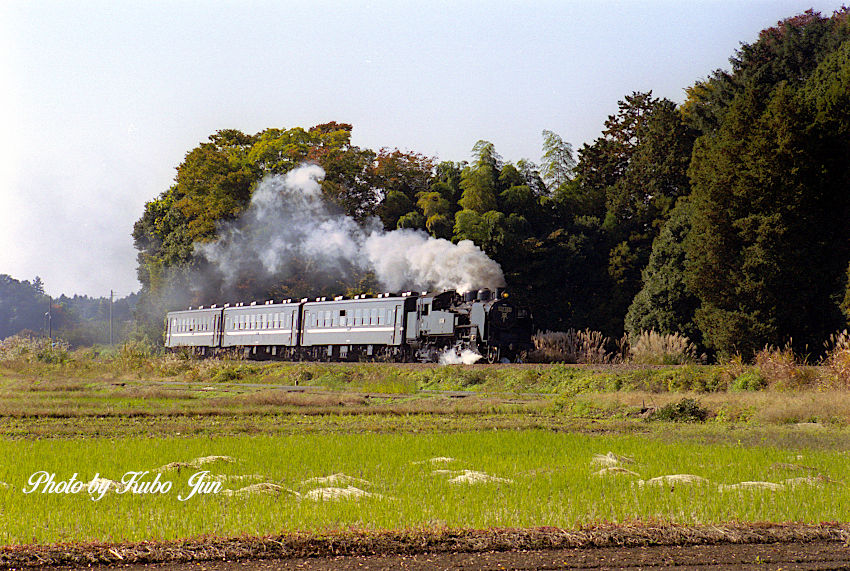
79 320
723 218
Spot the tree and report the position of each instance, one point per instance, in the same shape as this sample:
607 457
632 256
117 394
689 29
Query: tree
558 161
664 303
768 248
479 180
401 178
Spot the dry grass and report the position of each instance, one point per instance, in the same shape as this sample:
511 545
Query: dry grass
651 348
284 398
783 371
837 361
816 406
580 347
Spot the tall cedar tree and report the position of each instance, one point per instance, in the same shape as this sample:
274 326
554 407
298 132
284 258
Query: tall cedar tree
768 249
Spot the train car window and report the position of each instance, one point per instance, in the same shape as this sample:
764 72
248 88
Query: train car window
343 320
336 319
426 309
358 317
374 318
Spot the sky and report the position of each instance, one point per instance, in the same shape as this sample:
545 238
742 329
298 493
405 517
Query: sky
102 100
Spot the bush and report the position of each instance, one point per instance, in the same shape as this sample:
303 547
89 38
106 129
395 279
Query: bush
28 348
837 361
749 381
686 410
781 370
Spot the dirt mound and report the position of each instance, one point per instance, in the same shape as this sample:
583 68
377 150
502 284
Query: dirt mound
673 480
194 463
335 494
770 486
335 479
615 471
610 459
261 488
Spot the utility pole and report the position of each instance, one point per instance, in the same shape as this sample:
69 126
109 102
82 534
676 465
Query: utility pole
47 317
111 293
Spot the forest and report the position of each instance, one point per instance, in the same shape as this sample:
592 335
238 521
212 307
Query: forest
80 320
723 219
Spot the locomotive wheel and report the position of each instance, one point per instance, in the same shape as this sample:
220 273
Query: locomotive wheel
493 355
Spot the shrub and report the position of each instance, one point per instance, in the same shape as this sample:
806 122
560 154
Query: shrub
651 348
749 381
134 355
686 410
781 370
28 348
837 361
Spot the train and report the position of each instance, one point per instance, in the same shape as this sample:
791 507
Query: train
399 327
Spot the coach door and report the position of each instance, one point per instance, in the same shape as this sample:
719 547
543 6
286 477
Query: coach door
216 330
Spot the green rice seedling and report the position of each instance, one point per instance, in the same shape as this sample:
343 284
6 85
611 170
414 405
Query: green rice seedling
320 482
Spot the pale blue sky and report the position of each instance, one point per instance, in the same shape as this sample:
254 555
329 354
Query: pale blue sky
103 99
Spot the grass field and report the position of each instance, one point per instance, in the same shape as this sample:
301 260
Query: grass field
517 447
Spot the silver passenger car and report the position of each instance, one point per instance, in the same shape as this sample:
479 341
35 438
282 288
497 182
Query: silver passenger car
194 328
359 324
270 324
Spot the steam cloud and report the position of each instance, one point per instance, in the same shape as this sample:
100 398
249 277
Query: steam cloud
290 231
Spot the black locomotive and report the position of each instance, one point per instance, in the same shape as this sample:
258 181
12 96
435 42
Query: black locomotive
398 327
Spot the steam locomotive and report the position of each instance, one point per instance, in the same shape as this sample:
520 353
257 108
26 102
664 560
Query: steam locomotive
393 327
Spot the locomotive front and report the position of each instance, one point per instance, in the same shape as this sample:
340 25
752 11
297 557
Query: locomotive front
509 329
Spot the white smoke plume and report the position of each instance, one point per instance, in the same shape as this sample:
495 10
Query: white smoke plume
289 230
451 356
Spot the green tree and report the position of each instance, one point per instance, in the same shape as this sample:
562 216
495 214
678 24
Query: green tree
664 303
558 160
479 180
768 248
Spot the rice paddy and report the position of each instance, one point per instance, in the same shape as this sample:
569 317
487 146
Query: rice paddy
264 485
248 450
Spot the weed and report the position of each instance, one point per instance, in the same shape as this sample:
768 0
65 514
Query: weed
685 410
781 370
653 348
749 381
837 361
